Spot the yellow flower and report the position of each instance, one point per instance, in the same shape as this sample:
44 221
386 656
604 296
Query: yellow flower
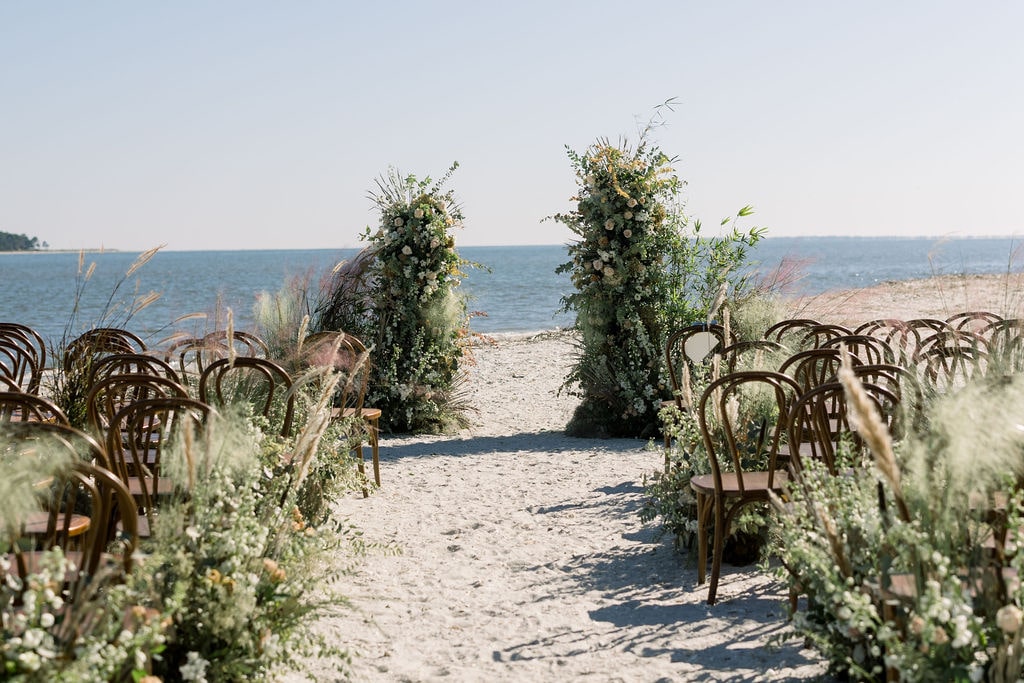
214 576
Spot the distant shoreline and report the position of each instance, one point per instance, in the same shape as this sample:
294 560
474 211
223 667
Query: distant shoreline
62 251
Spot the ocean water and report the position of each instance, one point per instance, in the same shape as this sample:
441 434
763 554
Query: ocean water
516 287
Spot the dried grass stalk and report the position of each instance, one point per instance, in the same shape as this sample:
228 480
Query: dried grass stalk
873 430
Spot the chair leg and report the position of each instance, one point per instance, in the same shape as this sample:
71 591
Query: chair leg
717 551
361 464
703 508
375 451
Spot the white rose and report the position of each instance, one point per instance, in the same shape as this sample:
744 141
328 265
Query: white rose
598 264
1008 618
418 213
609 224
627 215
631 203
608 271
407 250
627 233
398 221
435 243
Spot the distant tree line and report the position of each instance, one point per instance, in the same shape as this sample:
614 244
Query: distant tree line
11 242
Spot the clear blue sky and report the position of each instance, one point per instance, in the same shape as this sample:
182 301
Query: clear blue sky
251 124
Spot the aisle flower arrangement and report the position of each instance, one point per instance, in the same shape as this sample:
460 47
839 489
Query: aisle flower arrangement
619 269
403 300
903 560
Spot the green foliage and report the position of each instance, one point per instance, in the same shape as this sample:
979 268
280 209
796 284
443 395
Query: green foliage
927 518
636 275
402 298
235 565
11 242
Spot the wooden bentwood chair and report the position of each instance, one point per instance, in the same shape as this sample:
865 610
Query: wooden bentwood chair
348 356
723 493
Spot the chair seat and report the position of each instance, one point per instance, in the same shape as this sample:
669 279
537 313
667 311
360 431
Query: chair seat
37 523
369 414
372 417
752 483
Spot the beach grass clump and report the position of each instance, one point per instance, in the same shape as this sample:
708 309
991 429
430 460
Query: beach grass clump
401 297
911 565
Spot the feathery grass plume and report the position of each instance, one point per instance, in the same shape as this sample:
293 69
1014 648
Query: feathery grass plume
687 386
723 292
230 338
872 430
143 259
981 432
23 462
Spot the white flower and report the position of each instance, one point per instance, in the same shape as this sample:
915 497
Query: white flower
627 233
627 215
435 243
608 271
643 216
609 224
407 250
30 661
1008 618
631 203
398 221
598 264
46 619
418 213
194 669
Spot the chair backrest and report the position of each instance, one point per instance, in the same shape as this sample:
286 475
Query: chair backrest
260 382
18 406
190 357
752 354
816 336
139 436
27 337
344 354
109 394
82 351
783 330
245 343
818 420
973 321
131 364
813 367
948 360
20 363
869 349
739 439
1005 339
695 346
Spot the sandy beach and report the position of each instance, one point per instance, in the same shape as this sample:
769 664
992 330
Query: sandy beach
522 555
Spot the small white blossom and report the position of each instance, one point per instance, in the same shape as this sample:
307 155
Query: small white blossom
398 222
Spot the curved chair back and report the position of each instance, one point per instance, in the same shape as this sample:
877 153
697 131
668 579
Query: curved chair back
109 394
17 406
261 382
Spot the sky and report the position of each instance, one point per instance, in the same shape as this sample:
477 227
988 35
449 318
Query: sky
263 125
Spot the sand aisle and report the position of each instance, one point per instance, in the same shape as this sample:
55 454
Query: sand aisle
524 558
